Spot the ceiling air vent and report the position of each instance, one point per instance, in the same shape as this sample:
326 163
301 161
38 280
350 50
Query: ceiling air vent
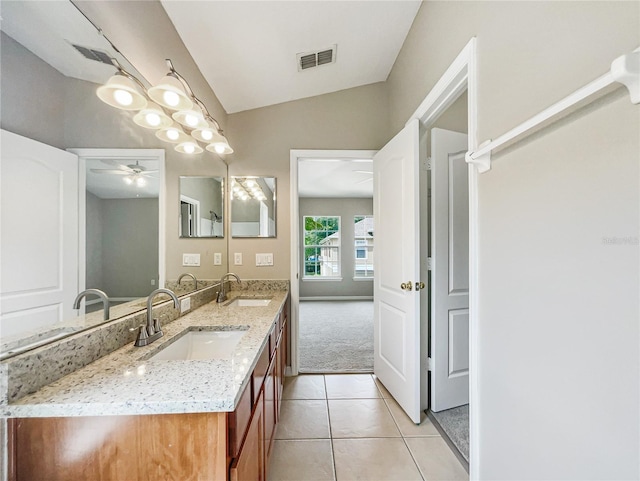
309 60
93 54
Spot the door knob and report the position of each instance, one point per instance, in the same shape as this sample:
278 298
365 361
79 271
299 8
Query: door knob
419 285
406 286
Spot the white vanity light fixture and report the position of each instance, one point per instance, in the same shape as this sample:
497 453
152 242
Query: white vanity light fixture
191 118
123 93
170 93
173 134
219 144
152 117
126 92
189 147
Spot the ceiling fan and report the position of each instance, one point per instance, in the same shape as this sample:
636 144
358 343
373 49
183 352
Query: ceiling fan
134 174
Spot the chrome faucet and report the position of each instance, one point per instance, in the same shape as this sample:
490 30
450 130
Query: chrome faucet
101 294
152 331
188 274
222 294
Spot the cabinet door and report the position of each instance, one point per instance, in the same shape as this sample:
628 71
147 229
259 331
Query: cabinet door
250 465
270 407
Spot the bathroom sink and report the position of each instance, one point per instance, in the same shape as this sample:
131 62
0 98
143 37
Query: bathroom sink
249 302
199 345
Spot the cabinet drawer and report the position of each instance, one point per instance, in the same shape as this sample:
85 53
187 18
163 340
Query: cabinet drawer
238 421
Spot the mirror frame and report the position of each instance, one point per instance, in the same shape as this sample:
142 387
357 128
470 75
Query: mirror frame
275 206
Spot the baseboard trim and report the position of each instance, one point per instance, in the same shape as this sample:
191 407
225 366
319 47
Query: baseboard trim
337 298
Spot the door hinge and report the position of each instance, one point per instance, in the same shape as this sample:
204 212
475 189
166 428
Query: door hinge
427 163
429 364
429 263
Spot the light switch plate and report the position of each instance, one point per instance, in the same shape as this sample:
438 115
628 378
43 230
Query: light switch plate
217 259
185 304
264 259
237 259
190 259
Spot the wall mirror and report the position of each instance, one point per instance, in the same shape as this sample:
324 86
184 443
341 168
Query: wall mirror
201 206
253 206
38 46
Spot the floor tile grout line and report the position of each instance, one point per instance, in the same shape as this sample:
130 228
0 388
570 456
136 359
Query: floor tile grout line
333 455
415 462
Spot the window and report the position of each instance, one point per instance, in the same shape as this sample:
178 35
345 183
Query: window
363 235
321 247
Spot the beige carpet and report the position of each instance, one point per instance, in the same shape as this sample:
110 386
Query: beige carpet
336 336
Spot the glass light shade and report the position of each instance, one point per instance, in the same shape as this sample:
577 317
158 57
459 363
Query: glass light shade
173 134
191 118
123 93
219 144
170 94
189 148
152 117
205 134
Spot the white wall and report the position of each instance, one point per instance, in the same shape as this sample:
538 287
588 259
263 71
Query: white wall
558 336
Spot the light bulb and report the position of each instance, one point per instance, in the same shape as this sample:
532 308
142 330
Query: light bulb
141 182
173 134
191 120
207 134
152 119
128 180
189 148
123 97
219 148
171 98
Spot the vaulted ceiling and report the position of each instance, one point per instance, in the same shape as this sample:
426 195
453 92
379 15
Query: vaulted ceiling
247 49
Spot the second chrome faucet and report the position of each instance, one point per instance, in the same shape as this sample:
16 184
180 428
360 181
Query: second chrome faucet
153 331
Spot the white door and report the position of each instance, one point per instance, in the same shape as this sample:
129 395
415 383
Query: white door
39 234
450 270
396 267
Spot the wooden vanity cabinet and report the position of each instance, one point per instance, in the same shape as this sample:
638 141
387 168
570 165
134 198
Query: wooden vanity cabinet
216 446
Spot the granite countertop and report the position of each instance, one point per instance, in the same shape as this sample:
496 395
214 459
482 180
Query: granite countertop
125 382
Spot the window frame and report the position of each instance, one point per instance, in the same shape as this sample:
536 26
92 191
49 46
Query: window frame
337 247
361 243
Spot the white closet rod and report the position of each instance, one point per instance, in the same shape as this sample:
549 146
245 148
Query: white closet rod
624 69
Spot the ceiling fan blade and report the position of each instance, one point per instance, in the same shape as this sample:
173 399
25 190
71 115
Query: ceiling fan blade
364 171
110 171
363 181
145 172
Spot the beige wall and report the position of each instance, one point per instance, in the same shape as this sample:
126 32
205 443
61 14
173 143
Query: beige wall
349 119
558 357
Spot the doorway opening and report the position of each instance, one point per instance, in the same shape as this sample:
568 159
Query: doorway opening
445 237
332 264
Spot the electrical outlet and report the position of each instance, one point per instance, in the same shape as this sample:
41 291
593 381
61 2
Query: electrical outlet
237 259
217 259
185 304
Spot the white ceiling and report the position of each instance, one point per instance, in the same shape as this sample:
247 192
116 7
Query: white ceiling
112 186
247 50
335 178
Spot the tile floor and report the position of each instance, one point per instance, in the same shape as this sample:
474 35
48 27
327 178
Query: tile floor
343 427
